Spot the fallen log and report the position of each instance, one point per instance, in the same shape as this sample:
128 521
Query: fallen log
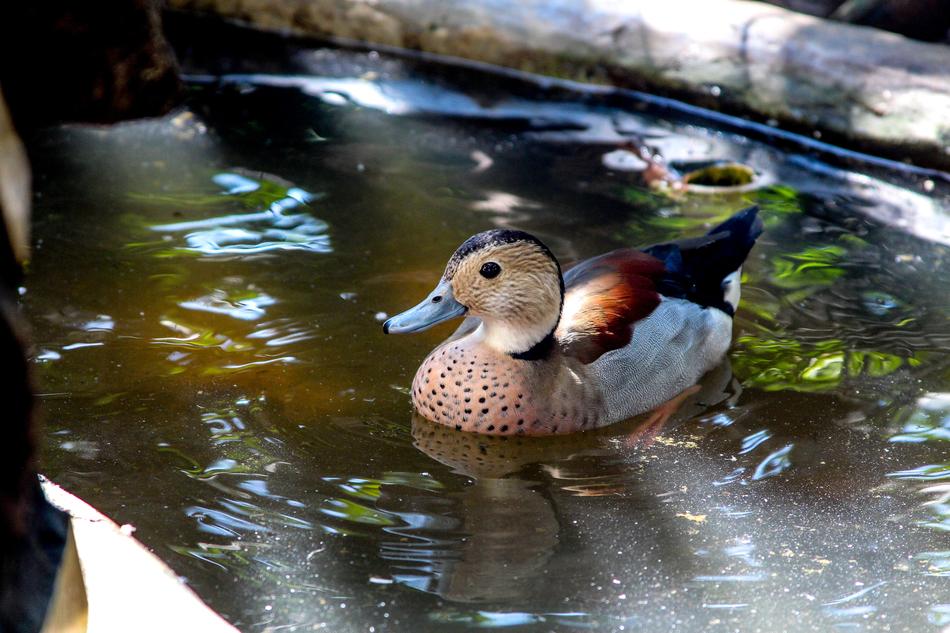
868 89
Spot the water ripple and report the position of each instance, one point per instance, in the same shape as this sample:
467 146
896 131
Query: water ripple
729 578
248 308
929 420
750 442
221 523
353 512
282 332
928 472
731 477
482 619
273 229
774 464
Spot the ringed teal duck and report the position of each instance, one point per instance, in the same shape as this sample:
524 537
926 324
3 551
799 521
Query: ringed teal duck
615 336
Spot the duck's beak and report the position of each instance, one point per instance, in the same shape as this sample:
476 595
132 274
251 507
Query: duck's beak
439 306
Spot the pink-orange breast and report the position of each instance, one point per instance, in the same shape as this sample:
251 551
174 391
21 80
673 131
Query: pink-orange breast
475 389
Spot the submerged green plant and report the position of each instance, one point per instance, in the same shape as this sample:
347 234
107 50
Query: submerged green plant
777 199
779 363
815 267
642 197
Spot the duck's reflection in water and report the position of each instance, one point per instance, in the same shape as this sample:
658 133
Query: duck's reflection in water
508 531
495 541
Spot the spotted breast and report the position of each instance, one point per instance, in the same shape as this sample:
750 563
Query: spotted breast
472 387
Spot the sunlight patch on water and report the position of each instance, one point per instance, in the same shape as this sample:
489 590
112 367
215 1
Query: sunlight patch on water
302 233
750 442
935 563
776 463
218 302
505 619
928 472
732 477
282 332
251 510
102 323
730 578
729 607
236 367
195 337
198 348
221 523
928 421
355 513
940 614
47 355
72 346
848 612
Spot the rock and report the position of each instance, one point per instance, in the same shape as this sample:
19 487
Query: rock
98 61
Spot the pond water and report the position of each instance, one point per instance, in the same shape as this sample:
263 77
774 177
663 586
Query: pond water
206 299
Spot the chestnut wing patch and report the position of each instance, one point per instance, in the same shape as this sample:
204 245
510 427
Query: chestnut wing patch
603 298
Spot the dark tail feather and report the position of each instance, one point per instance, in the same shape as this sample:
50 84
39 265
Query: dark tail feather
696 267
743 228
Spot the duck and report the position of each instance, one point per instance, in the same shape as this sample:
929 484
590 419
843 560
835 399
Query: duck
541 352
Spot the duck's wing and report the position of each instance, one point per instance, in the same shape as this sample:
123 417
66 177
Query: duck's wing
604 297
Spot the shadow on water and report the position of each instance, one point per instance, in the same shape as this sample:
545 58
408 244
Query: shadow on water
207 295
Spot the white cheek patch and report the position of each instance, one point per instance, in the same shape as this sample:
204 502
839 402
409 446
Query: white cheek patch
514 338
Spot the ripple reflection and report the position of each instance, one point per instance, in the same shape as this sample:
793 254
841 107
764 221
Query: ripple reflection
275 228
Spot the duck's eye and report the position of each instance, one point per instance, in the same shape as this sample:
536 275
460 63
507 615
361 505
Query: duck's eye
490 270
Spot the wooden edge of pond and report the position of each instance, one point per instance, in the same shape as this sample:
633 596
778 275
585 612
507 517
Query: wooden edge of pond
871 89
127 588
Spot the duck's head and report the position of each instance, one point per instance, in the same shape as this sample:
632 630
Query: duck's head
509 279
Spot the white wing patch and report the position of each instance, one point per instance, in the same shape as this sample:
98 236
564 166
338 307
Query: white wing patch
731 288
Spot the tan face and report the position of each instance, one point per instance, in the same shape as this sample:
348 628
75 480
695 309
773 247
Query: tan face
514 287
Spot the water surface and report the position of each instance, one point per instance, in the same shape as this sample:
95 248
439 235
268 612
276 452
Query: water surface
206 298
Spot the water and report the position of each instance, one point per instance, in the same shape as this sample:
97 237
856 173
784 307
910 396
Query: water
206 297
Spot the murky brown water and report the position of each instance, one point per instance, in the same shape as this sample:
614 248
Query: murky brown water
206 297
